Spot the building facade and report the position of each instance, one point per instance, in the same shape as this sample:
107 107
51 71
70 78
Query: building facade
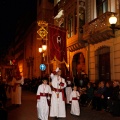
92 46
90 38
103 44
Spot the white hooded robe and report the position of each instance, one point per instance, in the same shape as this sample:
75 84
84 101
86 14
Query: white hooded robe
42 104
57 104
75 108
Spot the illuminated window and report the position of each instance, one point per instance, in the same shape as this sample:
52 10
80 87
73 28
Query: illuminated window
70 26
101 6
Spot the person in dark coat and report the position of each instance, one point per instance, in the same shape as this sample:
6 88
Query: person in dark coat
85 80
98 97
107 94
114 104
3 112
3 97
89 92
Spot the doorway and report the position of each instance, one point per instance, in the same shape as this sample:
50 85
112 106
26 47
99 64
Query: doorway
103 64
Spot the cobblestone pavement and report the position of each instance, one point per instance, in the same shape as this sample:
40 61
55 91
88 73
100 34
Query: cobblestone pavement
27 111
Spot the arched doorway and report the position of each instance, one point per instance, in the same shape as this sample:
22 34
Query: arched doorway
103 64
78 64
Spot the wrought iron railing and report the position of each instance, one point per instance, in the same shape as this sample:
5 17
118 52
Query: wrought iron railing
97 25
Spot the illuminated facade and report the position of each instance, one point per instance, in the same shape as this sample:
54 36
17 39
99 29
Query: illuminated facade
92 47
89 35
103 45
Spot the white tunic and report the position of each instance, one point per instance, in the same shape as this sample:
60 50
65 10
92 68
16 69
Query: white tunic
57 103
68 91
42 105
16 94
75 108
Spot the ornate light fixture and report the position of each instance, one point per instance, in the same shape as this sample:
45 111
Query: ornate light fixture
43 29
42 32
44 46
40 50
113 21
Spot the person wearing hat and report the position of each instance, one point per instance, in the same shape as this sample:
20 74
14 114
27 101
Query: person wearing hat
43 100
57 99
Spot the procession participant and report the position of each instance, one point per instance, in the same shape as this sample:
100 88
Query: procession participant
8 86
43 100
74 97
57 99
68 89
16 83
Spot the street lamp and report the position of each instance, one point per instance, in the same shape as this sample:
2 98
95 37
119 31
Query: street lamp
113 21
44 47
40 49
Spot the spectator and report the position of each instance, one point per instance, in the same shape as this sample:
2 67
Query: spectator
3 97
85 80
89 92
98 97
3 112
114 103
107 94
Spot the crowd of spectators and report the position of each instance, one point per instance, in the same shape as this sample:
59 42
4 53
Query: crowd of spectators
32 84
102 96
99 96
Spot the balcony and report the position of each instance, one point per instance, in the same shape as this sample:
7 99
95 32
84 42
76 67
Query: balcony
98 29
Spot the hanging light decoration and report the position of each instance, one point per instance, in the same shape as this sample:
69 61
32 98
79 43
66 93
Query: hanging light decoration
44 46
40 49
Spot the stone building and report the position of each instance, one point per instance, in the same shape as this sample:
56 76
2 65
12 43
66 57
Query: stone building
92 46
90 38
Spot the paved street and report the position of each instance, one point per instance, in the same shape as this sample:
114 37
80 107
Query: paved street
27 111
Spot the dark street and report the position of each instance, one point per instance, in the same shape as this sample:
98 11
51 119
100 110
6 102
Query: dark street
27 111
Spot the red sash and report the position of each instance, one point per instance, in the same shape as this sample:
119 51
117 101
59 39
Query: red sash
60 90
74 98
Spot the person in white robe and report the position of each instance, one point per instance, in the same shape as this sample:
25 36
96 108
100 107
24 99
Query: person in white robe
74 97
58 84
43 100
16 91
68 89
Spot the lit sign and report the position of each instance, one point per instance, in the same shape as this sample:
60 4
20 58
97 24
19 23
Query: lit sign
42 67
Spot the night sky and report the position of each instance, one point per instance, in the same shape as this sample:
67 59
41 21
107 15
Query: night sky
12 14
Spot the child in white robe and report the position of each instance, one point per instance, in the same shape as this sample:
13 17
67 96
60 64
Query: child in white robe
74 97
43 100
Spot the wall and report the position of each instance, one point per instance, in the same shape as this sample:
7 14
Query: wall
114 44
